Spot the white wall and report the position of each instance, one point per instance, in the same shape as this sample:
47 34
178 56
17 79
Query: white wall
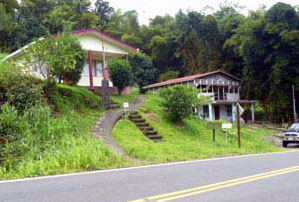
94 43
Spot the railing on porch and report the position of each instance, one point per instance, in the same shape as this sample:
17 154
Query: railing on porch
232 97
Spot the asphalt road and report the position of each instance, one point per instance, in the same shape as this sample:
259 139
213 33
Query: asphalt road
268 178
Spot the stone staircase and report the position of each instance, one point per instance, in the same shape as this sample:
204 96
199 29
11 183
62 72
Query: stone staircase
145 127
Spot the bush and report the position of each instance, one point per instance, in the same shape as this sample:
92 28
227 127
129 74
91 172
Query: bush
74 96
178 102
143 69
120 74
19 89
172 74
62 56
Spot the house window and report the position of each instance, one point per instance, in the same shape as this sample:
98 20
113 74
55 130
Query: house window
86 69
229 110
206 113
97 69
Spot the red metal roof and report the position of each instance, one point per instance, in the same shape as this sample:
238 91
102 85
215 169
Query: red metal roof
105 36
187 78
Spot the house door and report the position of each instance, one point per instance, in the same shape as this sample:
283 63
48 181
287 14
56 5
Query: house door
217 112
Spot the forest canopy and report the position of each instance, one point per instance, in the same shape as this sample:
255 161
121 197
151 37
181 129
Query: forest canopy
261 48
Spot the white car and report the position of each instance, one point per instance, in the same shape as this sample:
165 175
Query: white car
291 136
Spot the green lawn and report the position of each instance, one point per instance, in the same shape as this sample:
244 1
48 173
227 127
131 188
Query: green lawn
191 141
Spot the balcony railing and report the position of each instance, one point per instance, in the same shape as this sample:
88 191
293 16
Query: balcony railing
231 97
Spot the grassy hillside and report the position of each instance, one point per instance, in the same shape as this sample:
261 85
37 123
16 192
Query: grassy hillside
190 141
52 135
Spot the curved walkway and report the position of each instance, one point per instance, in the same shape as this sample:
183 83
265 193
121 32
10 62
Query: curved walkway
104 126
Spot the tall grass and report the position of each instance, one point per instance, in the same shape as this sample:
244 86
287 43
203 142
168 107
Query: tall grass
45 143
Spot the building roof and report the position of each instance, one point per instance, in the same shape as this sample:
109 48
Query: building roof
81 32
188 78
105 37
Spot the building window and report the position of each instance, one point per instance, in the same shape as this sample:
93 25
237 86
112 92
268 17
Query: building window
229 110
97 68
206 113
86 69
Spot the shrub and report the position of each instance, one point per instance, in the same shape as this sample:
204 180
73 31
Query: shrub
144 71
120 74
63 58
19 89
178 102
172 74
79 97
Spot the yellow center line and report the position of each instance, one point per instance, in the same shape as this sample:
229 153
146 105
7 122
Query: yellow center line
219 185
224 186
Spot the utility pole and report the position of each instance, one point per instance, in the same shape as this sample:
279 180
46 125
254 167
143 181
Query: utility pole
239 124
294 103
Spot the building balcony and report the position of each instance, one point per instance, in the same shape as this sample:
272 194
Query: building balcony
226 97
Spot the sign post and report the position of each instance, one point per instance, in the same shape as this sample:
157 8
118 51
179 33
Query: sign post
213 126
239 124
126 106
226 127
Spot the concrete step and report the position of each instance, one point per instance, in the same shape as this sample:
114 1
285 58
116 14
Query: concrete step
134 116
114 106
147 128
139 125
155 137
150 133
134 113
138 120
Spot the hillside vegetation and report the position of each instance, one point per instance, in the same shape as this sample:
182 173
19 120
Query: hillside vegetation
192 140
48 130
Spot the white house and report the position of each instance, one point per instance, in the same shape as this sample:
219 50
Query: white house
99 48
222 88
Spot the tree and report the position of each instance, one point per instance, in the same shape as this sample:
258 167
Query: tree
104 11
56 58
144 73
169 75
120 74
178 102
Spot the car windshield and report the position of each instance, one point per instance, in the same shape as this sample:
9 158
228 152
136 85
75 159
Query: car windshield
294 127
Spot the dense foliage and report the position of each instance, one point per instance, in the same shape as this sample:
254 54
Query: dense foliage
178 102
63 58
144 72
120 74
40 136
260 48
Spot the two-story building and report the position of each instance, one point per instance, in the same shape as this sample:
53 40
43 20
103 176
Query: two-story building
222 88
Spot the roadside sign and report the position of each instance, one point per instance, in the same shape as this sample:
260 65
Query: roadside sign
213 125
126 105
227 126
241 109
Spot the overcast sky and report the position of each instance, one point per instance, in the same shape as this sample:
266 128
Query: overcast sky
150 8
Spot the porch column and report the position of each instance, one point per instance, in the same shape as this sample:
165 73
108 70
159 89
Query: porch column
252 112
90 70
211 112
